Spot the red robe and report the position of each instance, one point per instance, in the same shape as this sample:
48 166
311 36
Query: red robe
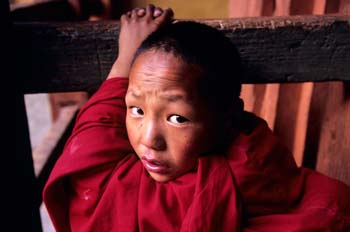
99 184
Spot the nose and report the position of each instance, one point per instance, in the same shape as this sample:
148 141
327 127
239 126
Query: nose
152 136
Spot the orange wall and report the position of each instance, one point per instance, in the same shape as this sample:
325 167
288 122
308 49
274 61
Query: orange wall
191 8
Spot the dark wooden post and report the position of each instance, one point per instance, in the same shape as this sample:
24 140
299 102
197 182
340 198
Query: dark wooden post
24 199
26 192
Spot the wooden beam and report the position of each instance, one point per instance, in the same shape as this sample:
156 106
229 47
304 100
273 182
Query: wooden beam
76 56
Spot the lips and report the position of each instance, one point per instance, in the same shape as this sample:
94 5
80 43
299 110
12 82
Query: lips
153 165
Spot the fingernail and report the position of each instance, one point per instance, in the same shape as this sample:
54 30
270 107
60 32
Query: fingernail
157 12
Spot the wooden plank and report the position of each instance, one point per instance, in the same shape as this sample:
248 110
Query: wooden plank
344 7
301 7
294 99
282 7
314 126
327 145
55 57
292 117
333 157
260 99
250 8
269 104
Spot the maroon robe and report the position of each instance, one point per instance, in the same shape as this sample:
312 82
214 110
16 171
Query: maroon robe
99 184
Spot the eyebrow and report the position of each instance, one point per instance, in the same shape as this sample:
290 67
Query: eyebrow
167 97
173 97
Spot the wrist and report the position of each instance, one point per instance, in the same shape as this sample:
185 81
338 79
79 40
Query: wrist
120 68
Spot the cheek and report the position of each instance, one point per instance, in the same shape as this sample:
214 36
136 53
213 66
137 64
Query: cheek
202 140
188 144
181 143
131 129
186 150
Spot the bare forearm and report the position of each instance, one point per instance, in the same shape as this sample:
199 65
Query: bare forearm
120 68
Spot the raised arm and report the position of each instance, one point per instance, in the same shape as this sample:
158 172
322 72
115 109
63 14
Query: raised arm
136 25
99 139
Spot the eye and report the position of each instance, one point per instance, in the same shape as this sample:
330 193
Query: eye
136 111
177 119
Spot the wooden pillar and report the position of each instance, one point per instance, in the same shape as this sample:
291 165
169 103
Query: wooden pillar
23 200
26 195
260 99
294 99
24 191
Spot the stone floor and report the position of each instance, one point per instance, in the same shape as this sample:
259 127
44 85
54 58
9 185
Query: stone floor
39 121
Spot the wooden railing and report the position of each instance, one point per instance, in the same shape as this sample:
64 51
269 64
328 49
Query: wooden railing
76 56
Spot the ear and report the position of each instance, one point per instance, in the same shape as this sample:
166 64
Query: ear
235 110
240 105
233 116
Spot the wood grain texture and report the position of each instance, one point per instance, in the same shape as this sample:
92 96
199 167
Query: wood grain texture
76 56
333 156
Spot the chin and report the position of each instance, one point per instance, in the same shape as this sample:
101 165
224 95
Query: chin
162 178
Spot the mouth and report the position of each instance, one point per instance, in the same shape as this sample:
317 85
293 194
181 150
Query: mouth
155 166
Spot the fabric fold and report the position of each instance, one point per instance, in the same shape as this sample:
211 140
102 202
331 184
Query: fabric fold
99 184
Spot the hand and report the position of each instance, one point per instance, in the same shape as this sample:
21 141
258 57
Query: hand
136 25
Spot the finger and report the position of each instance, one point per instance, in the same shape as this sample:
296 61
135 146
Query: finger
165 17
127 14
157 12
124 18
141 12
134 13
149 10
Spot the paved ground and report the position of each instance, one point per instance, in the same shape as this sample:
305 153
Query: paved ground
39 118
39 121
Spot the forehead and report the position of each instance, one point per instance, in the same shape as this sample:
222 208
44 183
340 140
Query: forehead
153 70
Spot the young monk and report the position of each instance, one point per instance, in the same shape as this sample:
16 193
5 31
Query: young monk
164 145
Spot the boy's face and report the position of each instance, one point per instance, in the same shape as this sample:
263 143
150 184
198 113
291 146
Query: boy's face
168 125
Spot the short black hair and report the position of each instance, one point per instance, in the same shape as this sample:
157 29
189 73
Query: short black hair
207 48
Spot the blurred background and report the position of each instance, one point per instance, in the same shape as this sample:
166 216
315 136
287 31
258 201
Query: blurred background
305 116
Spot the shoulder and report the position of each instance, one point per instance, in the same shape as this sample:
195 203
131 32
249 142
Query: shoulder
326 197
332 192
